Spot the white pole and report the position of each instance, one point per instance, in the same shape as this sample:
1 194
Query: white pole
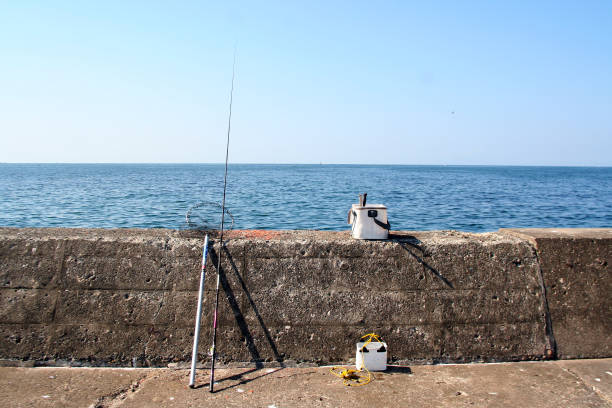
196 335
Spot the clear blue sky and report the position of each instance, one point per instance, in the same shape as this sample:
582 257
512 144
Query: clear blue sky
457 82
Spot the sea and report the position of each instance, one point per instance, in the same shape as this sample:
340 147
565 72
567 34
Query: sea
313 196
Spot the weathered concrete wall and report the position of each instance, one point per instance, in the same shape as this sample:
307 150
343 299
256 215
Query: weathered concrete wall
575 267
118 296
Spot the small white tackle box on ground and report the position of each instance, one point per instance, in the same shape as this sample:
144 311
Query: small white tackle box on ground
368 221
374 359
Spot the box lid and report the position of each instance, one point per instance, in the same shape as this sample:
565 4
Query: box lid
369 207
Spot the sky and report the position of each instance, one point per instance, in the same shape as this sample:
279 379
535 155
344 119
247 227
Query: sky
390 82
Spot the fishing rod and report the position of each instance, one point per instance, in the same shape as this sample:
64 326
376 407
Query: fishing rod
213 349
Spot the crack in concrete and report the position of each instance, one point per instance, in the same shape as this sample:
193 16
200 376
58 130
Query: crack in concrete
159 308
596 390
552 342
58 277
117 398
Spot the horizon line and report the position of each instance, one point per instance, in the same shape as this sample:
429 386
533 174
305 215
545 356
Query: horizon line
318 164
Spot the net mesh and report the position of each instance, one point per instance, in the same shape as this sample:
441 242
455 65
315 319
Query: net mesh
206 215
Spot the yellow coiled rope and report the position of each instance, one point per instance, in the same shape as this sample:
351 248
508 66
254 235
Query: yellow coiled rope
356 378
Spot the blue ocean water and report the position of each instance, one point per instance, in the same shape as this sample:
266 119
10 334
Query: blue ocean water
467 198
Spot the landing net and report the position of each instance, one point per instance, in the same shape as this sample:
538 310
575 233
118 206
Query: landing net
206 215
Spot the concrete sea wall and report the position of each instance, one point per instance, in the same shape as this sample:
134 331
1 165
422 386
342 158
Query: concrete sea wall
128 297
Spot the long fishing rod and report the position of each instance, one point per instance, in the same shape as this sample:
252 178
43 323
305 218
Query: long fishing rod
229 128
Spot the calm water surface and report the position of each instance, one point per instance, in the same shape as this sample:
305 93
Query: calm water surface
468 198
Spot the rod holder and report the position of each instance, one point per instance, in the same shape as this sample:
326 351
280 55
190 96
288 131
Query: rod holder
362 199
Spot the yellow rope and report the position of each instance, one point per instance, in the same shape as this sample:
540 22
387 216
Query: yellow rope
371 337
356 378
352 378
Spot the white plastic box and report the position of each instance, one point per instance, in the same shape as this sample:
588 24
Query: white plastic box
369 221
374 359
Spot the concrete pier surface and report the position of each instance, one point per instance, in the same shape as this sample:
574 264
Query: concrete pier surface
566 383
